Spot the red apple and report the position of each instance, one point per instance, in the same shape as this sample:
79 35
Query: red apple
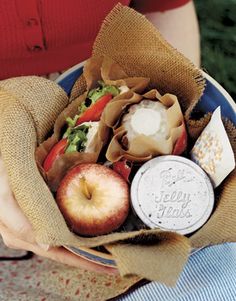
93 199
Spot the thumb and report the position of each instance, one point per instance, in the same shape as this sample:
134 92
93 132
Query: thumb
10 214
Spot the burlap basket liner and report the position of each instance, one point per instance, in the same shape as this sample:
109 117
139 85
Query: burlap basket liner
29 107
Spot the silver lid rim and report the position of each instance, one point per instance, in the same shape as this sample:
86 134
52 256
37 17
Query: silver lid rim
145 219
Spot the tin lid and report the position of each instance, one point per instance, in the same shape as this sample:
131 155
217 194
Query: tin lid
172 193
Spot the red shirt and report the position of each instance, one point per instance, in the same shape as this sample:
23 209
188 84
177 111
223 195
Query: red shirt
44 36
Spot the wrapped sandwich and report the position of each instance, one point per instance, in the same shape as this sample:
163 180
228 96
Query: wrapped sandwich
82 131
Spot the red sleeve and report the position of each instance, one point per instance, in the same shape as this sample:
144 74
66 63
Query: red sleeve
148 6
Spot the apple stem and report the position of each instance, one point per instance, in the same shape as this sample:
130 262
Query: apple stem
85 188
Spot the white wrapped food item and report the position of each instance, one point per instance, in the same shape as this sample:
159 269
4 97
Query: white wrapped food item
147 118
212 150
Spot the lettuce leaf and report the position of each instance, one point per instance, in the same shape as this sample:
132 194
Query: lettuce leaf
102 90
91 99
77 138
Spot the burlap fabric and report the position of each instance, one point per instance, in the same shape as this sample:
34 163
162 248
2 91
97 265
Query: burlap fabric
29 107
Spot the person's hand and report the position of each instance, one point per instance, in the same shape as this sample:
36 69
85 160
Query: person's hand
17 232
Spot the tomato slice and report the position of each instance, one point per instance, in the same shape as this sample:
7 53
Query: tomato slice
94 112
123 169
57 150
181 143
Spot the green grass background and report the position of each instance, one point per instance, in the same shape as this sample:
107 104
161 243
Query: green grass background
217 20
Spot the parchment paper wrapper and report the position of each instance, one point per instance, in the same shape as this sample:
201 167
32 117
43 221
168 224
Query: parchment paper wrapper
143 148
213 152
68 160
29 107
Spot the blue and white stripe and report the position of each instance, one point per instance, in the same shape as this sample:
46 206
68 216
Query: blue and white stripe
210 275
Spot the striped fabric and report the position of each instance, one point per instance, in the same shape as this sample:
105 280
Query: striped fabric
210 275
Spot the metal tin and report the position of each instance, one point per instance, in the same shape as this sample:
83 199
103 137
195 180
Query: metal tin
172 193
